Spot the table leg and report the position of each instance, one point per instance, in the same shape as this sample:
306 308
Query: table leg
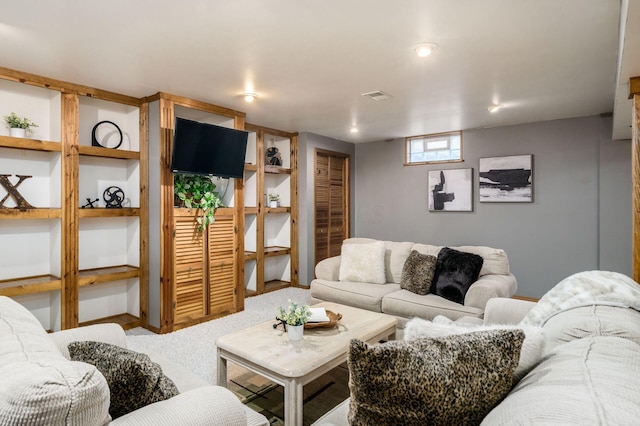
293 402
222 370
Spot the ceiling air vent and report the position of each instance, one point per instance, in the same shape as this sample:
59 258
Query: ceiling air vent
377 95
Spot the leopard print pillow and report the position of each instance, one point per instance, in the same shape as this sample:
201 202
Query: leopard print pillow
452 380
417 273
134 380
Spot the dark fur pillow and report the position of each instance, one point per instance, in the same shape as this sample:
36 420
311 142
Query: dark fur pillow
452 380
134 380
417 273
455 272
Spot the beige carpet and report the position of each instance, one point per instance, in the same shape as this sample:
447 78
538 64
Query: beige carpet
267 398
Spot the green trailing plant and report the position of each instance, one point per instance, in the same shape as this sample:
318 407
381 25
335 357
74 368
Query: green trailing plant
197 192
295 314
15 122
274 197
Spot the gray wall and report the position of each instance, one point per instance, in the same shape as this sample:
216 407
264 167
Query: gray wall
307 144
580 218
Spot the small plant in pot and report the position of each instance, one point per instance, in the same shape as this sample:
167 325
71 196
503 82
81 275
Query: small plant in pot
197 192
274 200
19 126
295 317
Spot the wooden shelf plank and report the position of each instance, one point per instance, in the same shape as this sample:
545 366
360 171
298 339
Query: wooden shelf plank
250 255
32 144
250 210
277 210
276 170
29 285
125 320
276 251
250 167
98 151
104 212
275 285
108 274
30 213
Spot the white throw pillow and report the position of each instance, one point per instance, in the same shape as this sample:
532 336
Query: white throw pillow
363 263
530 354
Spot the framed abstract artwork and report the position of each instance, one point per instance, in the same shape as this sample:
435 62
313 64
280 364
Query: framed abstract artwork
506 179
451 190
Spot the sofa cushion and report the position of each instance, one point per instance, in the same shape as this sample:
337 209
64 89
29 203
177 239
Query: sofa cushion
134 380
532 350
452 380
495 261
404 303
591 321
455 272
38 384
395 256
427 249
356 294
363 262
417 273
590 381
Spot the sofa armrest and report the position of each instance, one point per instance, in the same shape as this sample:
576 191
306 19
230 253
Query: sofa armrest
107 333
490 286
329 269
503 310
209 405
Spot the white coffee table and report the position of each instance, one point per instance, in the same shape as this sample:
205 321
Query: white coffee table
292 364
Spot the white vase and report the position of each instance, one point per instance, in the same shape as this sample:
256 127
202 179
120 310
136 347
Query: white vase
18 133
273 204
295 332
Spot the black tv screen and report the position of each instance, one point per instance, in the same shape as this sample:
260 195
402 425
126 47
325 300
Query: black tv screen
206 149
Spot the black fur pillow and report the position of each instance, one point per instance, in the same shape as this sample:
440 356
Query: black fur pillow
417 273
134 380
451 380
455 272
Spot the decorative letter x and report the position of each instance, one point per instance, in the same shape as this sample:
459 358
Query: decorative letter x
12 191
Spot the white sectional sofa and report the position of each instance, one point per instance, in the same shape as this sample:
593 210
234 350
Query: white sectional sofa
41 385
586 371
495 280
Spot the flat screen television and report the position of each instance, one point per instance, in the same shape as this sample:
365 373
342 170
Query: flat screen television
207 149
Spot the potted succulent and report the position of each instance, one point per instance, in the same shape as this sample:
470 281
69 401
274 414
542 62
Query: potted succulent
274 200
19 126
197 192
295 317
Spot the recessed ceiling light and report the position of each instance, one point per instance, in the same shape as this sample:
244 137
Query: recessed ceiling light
249 97
353 129
494 107
425 49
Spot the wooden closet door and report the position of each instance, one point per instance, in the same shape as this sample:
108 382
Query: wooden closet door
331 203
222 270
189 270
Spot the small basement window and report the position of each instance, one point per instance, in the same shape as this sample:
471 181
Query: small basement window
436 148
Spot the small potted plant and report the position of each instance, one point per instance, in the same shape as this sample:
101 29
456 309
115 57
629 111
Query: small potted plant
18 127
295 317
274 200
197 192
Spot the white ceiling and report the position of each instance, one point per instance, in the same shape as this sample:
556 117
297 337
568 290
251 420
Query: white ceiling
309 61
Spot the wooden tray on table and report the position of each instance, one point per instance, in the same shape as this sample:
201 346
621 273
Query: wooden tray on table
333 321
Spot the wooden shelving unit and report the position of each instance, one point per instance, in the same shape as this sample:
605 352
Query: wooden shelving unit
271 237
59 250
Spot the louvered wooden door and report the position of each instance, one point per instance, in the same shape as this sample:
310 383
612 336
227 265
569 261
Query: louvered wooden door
222 272
331 203
189 255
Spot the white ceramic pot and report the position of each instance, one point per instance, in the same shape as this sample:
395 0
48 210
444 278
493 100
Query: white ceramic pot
295 332
18 133
273 204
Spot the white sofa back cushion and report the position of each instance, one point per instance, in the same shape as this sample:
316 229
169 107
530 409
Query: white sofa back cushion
495 261
363 262
395 254
38 383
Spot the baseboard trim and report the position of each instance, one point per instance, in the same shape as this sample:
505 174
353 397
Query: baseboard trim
528 299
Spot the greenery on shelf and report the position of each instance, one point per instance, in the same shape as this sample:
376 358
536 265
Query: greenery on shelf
197 192
15 122
274 197
294 314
